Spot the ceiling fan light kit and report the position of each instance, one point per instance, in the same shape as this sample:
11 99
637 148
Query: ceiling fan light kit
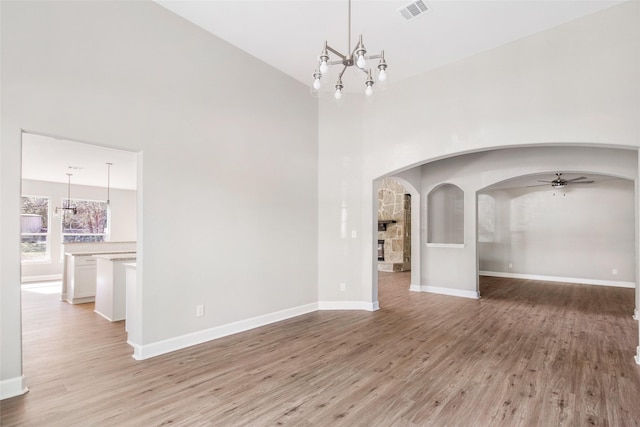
559 182
357 57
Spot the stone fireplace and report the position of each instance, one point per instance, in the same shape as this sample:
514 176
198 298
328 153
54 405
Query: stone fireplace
380 250
394 227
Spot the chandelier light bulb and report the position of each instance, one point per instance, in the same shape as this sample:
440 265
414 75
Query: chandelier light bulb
324 67
382 75
316 80
361 62
339 87
369 84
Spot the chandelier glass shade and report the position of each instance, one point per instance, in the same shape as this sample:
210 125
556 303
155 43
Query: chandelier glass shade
358 57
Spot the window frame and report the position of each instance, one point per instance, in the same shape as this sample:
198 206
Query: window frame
74 202
46 259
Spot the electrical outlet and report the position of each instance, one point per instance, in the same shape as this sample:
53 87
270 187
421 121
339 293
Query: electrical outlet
510 265
614 271
343 287
199 310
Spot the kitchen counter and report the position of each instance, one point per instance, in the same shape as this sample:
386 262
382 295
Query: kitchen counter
116 256
97 253
111 285
78 258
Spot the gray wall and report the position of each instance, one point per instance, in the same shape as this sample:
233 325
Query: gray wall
585 231
133 76
573 85
457 267
228 159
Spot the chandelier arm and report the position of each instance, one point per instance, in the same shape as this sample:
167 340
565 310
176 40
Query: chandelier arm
349 30
364 71
342 72
330 49
374 56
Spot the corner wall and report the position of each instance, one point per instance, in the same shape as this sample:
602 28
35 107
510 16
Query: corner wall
573 85
217 146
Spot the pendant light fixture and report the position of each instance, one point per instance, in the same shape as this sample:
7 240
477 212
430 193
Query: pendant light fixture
68 207
357 57
108 181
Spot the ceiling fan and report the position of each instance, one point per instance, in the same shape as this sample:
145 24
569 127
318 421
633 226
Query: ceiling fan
560 182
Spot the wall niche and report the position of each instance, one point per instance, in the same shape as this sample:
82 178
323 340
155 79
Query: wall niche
394 226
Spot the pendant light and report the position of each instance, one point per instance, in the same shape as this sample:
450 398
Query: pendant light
109 181
68 207
357 57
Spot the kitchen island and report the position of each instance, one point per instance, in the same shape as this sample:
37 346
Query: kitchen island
79 269
111 285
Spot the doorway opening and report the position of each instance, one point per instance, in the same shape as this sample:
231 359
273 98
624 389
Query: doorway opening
74 193
398 237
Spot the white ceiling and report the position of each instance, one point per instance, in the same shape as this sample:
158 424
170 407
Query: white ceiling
290 34
49 159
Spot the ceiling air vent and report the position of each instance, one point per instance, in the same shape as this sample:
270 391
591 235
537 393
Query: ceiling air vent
413 10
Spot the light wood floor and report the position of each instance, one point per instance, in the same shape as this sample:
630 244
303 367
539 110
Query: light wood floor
526 354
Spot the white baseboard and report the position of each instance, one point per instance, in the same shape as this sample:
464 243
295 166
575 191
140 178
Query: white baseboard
451 292
445 291
13 387
348 305
142 352
619 284
637 357
44 278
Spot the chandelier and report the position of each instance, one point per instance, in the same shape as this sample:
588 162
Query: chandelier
357 57
68 207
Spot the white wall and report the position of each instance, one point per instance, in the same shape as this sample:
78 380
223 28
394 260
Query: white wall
129 75
228 179
122 225
456 267
574 84
584 231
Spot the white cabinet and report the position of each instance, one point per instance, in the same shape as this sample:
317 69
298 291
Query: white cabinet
80 278
111 284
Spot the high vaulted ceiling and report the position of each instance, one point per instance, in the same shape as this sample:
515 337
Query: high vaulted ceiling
289 35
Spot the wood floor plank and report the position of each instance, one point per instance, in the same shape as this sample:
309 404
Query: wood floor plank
526 354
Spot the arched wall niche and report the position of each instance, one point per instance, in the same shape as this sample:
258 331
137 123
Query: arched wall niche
445 215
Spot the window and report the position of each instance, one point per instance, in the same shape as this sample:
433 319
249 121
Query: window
34 229
88 224
446 215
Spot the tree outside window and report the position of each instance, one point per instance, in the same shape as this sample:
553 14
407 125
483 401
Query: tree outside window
34 225
89 223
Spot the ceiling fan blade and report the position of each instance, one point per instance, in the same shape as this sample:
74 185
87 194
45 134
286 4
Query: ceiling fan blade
576 179
537 185
583 182
548 182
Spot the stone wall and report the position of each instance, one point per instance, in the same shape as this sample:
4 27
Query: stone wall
394 204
